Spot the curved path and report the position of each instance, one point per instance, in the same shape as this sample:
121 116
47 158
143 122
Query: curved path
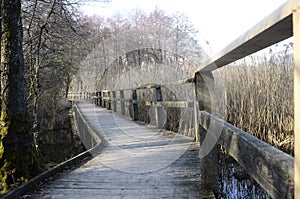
137 161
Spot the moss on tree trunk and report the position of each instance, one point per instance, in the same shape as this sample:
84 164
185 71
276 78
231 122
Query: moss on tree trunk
17 159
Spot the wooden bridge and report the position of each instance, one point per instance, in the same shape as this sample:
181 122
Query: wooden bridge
134 160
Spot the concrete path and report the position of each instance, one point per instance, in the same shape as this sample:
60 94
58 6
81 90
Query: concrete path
138 161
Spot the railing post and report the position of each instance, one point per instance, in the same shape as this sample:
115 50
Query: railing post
196 111
114 101
104 99
97 98
122 102
135 105
100 99
108 100
296 33
208 163
159 111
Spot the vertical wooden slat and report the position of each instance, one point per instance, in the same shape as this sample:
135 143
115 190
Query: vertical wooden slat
296 32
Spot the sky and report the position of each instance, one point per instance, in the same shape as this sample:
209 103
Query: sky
218 21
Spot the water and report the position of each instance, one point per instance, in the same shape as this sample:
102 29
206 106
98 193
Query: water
235 183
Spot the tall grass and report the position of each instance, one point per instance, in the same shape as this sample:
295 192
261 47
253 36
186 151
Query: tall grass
259 93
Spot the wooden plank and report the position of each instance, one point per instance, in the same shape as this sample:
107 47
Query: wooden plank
273 29
176 104
296 29
270 167
132 150
180 82
171 104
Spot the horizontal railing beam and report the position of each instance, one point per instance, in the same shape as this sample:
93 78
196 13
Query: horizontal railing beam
270 167
271 30
171 104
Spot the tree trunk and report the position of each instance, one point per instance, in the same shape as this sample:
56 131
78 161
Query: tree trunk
16 144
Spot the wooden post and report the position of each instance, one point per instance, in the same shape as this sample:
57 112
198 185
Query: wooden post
196 111
108 100
97 98
114 101
103 99
296 32
209 163
100 99
159 111
135 106
122 102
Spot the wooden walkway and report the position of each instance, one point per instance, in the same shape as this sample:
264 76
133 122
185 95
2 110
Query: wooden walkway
137 161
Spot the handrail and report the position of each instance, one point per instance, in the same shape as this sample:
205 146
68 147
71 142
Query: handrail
269 166
279 25
94 140
272 29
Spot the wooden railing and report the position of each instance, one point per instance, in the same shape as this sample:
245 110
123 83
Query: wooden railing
272 169
276 172
88 136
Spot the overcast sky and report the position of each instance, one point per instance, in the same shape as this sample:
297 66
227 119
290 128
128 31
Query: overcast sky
218 21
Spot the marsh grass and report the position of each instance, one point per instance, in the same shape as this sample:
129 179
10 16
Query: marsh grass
259 96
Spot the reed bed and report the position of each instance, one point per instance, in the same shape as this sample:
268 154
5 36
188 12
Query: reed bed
259 98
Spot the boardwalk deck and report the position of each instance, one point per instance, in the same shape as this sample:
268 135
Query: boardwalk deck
138 161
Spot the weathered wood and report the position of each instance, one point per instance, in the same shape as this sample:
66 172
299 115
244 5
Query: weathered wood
120 171
84 128
148 86
100 99
97 98
160 116
122 103
296 29
135 106
173 104
196 111
270 167
106 99
273 29
181 82
114 102
208 151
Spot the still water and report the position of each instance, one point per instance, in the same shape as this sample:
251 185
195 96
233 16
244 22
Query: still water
235 183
